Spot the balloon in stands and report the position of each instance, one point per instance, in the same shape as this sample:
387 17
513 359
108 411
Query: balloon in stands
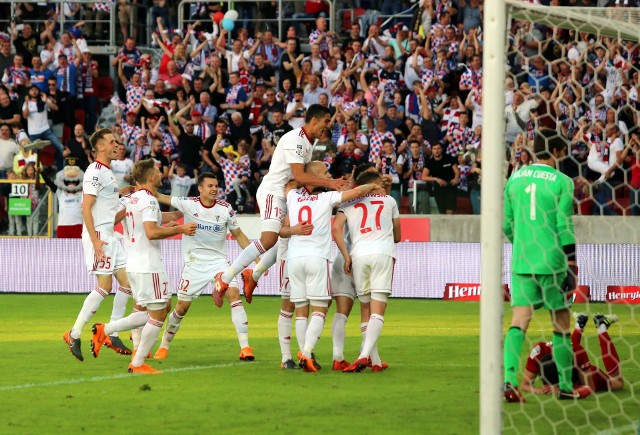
232 15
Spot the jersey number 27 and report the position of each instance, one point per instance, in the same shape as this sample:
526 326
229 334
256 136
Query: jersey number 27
365 213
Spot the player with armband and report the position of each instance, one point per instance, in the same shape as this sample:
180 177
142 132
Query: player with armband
373 222
538 208
308 255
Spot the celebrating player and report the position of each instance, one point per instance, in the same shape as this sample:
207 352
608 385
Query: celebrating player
145 267
288 162
373 222
103 254
538 204
540 362
308 255
204 256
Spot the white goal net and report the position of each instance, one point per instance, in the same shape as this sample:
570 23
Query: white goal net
576 72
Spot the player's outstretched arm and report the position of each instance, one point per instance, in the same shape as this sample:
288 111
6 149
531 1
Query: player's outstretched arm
304 179
163 199
357 192
338 235
528 378
155 232
170 216
397 232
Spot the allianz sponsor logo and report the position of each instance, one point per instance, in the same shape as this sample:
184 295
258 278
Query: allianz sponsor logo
215 228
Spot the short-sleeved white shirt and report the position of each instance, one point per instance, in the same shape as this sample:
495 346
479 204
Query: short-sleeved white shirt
293 147
209 244
100 182
304 207
370 224
120 169
143 255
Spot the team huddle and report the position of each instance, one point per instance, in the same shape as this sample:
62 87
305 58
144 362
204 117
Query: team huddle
296 200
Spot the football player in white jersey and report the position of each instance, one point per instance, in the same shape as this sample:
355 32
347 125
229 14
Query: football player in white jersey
103 253
205 254
308 255
285 322
145 267
343 287
288 162
374 224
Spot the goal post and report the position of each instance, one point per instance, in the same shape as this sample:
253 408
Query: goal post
491 302
589 127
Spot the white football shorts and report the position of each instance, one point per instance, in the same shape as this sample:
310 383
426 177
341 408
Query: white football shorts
373 273
273 209
309 279
341 283
148 288
285 284
114 259
197 276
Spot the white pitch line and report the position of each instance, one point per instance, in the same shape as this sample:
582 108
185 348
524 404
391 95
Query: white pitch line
620 430
119 376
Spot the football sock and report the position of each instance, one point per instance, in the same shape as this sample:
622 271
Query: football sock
173 324
240 321
246 257
563 356
610 356
363 330
119 305
148 339
301 331
135 336
313 333
576 337
513 343
338 333
266 261
89 307
132 321
374 329
284 334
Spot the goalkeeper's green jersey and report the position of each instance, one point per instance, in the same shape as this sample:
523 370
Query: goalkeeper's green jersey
538 208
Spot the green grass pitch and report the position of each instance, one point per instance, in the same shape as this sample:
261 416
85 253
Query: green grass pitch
432 385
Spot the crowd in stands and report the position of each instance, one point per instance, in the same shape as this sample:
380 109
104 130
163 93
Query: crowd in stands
407 100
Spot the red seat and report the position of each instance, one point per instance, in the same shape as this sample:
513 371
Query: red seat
104 88
348 18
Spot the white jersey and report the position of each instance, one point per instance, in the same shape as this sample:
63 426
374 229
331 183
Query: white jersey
370 224
120 169
69 208
100 182
293 147
210 241
143 255
304 207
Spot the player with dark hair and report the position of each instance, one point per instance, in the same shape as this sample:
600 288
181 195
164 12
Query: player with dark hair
538 208
540 362
205 254
288 162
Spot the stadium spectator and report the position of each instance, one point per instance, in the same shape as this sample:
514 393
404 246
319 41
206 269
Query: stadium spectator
121 167
442 170
34 111
9 110
78 148
8 150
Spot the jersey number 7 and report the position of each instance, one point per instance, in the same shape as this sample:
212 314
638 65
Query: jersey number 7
365 213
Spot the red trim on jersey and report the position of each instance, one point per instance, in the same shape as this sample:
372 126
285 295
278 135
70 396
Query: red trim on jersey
146 190
206 206
328 278
156 285
267 212
99 163
304 134
223 203
282 262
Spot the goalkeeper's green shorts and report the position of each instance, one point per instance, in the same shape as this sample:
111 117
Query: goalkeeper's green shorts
539 291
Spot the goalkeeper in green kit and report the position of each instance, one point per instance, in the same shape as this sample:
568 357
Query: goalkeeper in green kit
538 208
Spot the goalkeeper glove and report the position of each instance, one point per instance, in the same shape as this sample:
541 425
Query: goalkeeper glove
570 280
